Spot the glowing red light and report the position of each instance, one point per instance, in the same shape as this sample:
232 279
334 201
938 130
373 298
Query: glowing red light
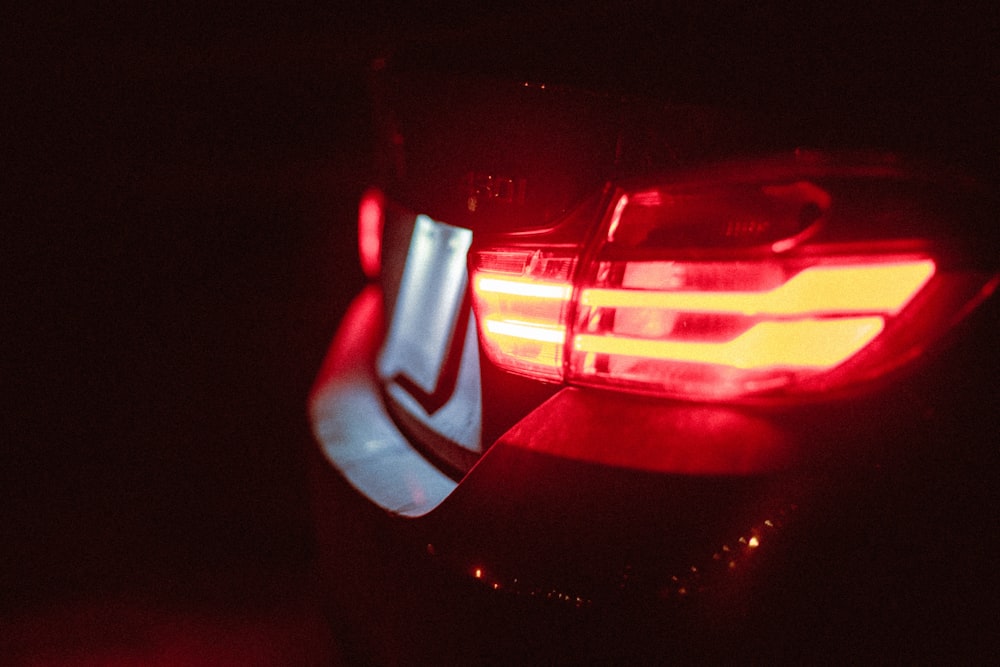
371 218
805 319
723 329
742 282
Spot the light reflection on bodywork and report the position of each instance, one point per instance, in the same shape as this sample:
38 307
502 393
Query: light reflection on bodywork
677 439
726 561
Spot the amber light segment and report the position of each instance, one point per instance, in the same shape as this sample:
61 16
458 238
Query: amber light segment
878 288
525 330
807 343
527 343
522 287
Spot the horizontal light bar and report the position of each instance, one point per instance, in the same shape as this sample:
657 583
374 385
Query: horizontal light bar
874 288
523 287
808 343
526 330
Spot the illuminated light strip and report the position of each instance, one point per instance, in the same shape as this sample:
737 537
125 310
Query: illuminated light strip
880 288
527 331
529 288
810 343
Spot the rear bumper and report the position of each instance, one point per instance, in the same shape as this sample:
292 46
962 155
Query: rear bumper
742 515
355 433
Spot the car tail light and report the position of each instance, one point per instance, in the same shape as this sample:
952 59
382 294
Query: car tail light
764 278
721 329
371 219
521 300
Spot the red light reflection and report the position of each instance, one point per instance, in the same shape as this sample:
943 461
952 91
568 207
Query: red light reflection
677 439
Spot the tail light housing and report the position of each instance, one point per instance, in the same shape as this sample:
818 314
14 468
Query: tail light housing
776 277
522 300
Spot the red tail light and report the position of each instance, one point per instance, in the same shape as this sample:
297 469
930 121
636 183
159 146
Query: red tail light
680 327
766 279
521 299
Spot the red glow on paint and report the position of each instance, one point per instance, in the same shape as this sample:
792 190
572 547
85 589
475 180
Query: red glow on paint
358 339
674 438
371 219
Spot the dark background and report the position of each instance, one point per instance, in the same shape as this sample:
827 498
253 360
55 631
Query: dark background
179 245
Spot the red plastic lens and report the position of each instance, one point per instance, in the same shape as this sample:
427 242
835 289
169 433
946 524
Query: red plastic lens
759 279
674 327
